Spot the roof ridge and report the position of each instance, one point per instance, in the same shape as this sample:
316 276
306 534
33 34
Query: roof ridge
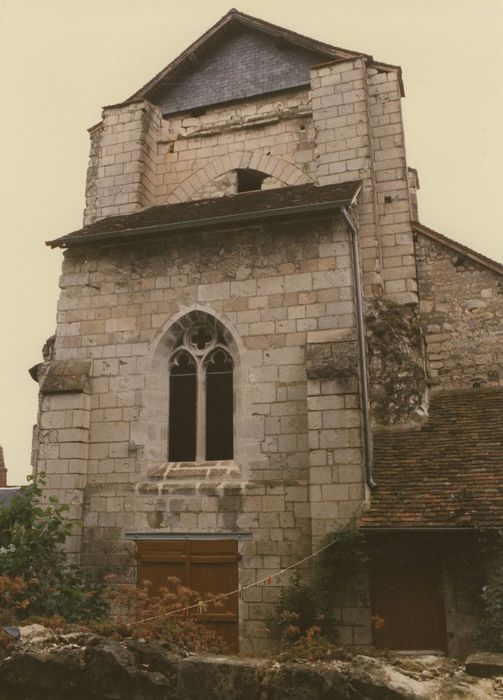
459 247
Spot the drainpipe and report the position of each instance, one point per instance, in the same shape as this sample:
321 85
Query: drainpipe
362 351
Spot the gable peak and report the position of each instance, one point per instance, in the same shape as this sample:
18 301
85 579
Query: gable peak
234 20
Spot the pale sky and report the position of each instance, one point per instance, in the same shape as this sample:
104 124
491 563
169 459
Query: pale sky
62 60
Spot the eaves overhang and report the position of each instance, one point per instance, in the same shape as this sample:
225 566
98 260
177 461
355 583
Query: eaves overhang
125 231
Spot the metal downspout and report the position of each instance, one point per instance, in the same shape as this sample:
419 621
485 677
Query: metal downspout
362 351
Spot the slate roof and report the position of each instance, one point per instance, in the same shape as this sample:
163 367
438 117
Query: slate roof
229 23
206 213
446 474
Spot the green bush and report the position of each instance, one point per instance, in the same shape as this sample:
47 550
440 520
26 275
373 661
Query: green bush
37 579
300 613
305 610
491 616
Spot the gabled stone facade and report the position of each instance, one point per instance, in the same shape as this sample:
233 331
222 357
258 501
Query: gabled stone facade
278 283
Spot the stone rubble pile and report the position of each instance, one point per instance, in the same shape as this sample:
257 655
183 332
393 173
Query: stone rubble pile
83 666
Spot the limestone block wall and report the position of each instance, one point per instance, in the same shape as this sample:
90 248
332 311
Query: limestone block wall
297 470
138 159
359 136
347 127
273 134
121 176
337 482
461 304
62 453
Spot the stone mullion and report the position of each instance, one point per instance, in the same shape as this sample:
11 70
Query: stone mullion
201 413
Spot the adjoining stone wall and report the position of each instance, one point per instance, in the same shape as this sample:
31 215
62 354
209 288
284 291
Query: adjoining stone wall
461 303
297 470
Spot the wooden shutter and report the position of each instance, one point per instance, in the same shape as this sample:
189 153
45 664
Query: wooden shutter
206 566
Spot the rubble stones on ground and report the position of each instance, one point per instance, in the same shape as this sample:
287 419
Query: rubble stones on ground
34 633
307 682
484 664
93 668
220 677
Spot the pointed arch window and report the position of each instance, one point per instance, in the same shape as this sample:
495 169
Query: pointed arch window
201 396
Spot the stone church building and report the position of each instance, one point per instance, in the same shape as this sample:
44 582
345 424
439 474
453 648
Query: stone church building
257 341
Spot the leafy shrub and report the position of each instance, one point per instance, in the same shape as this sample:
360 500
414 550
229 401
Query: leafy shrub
35 574
38 584
300 613
305 610
346 555
141 612
491 617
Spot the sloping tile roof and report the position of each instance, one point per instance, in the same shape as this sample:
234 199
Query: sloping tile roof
458 247
449 472
251 206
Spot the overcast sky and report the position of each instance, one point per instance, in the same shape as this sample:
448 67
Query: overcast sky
61 60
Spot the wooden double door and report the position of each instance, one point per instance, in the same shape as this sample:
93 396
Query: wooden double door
408 607
205 566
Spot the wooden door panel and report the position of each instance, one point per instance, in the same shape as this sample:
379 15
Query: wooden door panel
206 566
158 572
410 604
215 579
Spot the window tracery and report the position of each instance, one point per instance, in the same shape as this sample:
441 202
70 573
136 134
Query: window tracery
201 396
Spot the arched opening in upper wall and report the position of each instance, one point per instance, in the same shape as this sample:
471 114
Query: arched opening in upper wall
249 179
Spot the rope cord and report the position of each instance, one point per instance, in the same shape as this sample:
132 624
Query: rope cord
202 604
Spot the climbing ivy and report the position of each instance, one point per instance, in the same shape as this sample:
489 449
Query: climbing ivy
305 610
395 352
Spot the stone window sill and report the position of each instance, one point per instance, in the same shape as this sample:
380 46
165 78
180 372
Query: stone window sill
207 471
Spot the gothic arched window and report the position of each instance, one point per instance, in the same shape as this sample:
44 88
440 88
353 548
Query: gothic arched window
201 396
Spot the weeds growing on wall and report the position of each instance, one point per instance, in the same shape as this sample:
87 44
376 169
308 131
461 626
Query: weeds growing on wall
491 602
491 619
395 353
304 615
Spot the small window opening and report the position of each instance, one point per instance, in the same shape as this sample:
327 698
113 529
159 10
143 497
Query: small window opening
219 409
182 408
249 180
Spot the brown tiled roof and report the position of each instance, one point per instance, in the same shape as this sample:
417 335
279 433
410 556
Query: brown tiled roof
458 247
248 206
449 472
